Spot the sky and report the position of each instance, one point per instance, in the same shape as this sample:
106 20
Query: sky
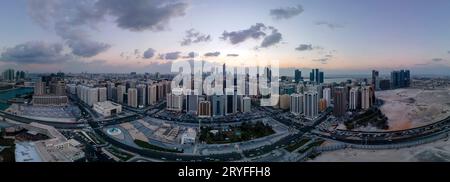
338 36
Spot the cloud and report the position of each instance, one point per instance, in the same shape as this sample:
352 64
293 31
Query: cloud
329 24
437 59
36 52
193 36
139 15
286 13
170 56
191 55
254 32
448 52
71 20
322 60
149 53
86 48
272 39
304 47
232 55
212 54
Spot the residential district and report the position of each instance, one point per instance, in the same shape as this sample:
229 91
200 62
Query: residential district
87 117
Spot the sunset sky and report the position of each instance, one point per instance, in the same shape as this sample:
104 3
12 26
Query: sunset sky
339 36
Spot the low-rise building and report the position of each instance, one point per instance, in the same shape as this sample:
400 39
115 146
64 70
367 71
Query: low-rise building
107 108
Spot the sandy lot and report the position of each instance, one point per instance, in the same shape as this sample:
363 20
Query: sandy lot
407 108
433 152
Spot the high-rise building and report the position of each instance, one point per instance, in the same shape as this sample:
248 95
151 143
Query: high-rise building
92 96
192 103
311 105
296 104
152 93
132 97
340 101
175 102
141 91
353 98
231 102
58 87
365 97
8 75
375 80
102 94
327 96
218 105
285 101
204 109
400 79
316 76
246 104
297 76
39 88
120 93
110 92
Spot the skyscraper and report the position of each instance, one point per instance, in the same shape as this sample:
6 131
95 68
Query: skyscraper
353 98
296 104
132 97
311 105
231 102
152 94
375 81
327 95
120 94
218 105
340 101
92 96
192 103
246 104
297 76
141 91
39 88
365 97
102 94
204 109
400 79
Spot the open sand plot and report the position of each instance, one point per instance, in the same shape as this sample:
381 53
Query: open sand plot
433 152
408 108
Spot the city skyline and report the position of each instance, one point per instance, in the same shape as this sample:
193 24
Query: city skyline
147 36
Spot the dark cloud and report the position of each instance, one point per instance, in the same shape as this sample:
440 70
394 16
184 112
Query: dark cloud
254 32
272 39
232 55
71 19
448 52
212 54
329 24
139 15
304 47
86 48
193 36
149 53
170 56
286 13
35 53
